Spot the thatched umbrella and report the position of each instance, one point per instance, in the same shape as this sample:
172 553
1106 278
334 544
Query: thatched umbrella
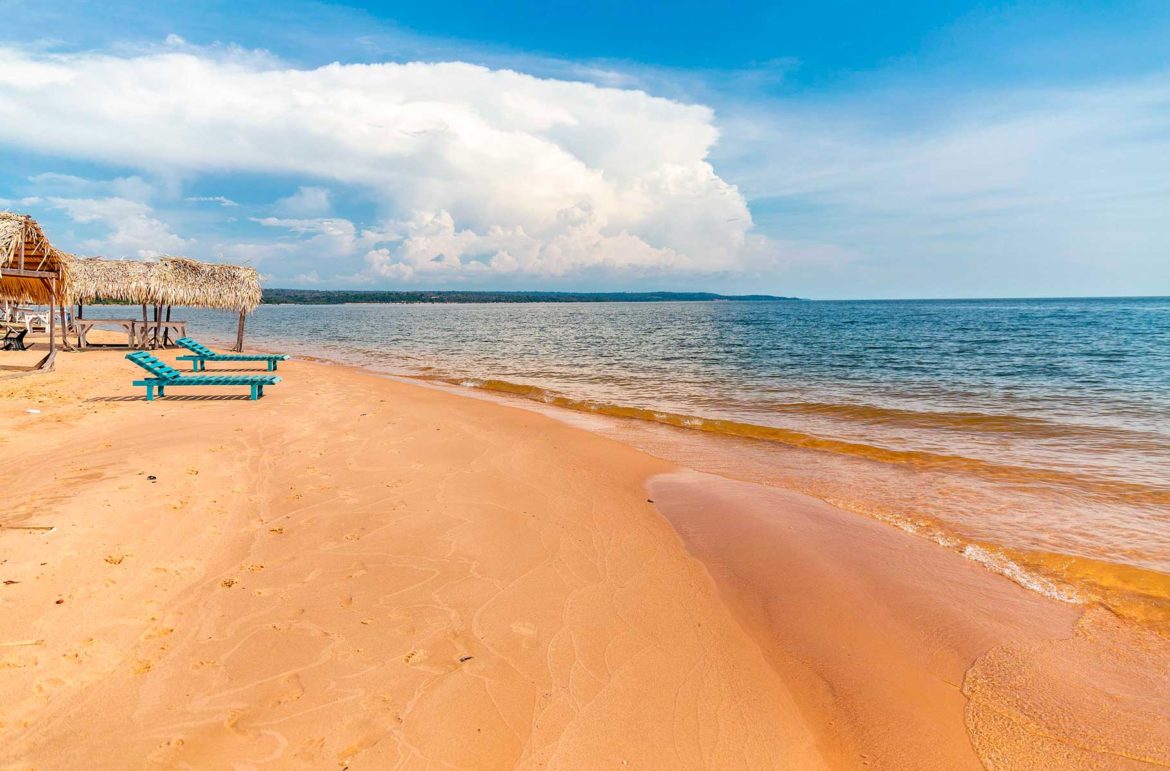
94 278
183 281
169 281
25 255
32 270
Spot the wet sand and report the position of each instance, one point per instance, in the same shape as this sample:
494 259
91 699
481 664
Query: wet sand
903 654
356 572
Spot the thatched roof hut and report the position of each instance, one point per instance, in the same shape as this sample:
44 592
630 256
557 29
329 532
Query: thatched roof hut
186 282
31 269
95 278
169 281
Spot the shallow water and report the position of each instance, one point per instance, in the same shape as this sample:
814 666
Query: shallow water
1034 435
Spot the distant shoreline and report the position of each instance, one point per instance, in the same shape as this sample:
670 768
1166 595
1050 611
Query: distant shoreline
342 297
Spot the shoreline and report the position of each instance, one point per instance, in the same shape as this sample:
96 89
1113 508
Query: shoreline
1140 594
912 656
795 694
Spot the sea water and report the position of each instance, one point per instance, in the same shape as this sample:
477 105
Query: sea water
1032 435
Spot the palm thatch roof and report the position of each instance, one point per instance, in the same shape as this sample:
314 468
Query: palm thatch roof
95 278
169 281
182 281
24 249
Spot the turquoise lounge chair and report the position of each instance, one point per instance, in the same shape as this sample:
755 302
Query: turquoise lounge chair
166 376
203 354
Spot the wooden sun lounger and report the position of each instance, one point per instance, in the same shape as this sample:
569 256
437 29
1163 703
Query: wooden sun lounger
166 376
203 354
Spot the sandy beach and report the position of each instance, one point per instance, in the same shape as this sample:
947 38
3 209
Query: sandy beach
356 572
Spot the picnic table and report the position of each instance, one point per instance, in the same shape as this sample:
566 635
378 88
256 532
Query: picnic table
34 317
156 330
139 333
130 326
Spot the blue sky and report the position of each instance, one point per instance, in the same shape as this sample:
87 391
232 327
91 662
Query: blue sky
825 150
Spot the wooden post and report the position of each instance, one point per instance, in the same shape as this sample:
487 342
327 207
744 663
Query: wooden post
46 364
142 343
65 329
240 335
167 331
52 315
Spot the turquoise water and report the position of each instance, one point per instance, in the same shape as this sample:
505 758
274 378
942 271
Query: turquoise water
1032 426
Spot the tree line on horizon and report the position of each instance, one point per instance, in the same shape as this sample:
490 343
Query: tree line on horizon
343 296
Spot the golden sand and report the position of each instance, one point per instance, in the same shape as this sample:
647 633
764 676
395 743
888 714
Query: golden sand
356 572
352 573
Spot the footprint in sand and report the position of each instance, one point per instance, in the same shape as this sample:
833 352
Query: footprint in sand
232 723
416 658
524 628
52 684
293 690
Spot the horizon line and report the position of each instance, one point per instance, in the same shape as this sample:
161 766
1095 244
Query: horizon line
728 295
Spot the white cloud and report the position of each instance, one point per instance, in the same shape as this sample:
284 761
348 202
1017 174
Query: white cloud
477 170
133 188
132 229
324 237
219 199
306 202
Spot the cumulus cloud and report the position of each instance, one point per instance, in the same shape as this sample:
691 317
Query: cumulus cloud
475 170
131 227
307 201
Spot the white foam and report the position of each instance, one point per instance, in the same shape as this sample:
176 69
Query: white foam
1005 567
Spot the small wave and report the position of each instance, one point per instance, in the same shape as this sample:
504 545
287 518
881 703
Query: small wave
999 563
970 422
1129 492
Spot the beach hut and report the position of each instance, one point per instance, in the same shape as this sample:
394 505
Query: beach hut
164 283
33 271
190 283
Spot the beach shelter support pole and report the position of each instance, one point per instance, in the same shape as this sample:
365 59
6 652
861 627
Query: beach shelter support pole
46 364
65 329
167 331
142 343
240 334
52 315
